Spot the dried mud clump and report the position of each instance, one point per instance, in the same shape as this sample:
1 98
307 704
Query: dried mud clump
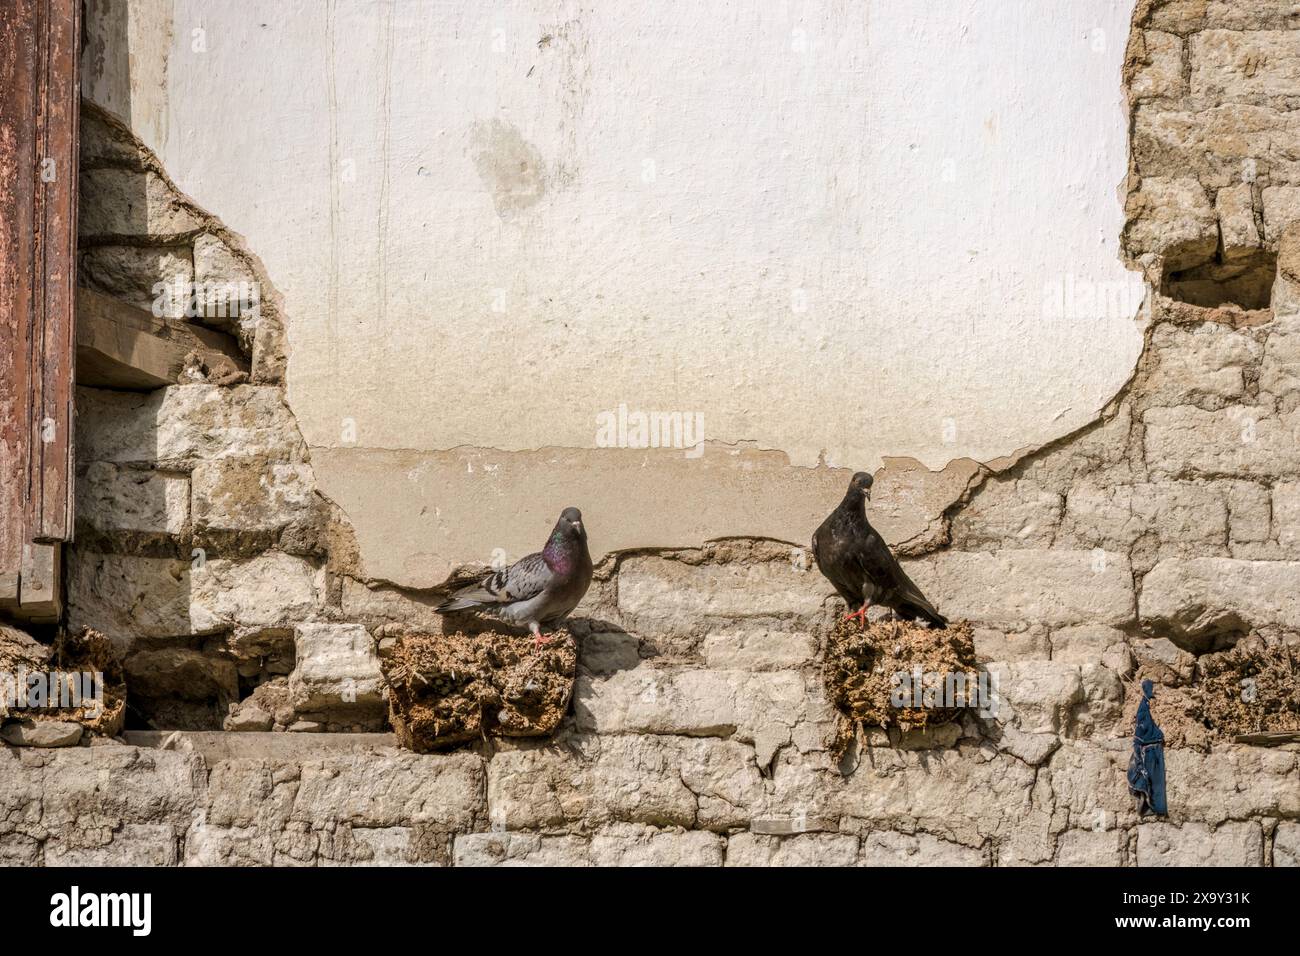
861 664
1250 693
85 652
450 689
1252 689
91 651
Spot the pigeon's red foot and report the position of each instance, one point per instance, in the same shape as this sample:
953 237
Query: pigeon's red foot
539 640
860 614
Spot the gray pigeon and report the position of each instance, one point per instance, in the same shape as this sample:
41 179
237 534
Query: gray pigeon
853 557
538 589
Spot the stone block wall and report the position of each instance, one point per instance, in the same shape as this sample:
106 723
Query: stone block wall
1165 531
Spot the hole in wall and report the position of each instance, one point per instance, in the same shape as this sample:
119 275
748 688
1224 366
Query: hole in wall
1245 281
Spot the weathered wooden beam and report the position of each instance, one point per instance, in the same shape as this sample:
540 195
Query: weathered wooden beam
121 346
39 102
1274 738
58 53
17 201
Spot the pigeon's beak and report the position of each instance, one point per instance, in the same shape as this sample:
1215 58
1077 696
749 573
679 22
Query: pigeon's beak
866 493
577 526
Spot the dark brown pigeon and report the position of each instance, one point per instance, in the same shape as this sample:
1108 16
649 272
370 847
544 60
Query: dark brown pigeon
853 557
541 588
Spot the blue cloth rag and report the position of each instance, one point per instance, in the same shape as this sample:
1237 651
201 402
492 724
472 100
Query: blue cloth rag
1146 767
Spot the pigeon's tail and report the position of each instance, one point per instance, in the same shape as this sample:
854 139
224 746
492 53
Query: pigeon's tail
457 604
924 610
937 619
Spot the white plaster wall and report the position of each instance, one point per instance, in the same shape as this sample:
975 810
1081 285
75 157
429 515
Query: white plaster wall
829 228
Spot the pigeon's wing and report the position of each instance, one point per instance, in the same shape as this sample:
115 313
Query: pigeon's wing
837 564
524 579
884 569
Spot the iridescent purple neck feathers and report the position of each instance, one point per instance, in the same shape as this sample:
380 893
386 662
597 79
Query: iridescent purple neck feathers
561 551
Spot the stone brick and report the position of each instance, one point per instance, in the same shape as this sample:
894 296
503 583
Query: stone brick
1179 512
19 849
1088 644
1176 16
1090 848
394 788
642 846
1000 644
1244 66
112 498
102 144
1281 209
1248 14
335 668
1103 697
1208 787
254 502
758 649
684 598
1202 365
130 598
1250 512
1286 516
887 848
1173 218
1043 587
1195 844
1088 789
909 790
42 733
659 781
1235 208
121 203
757 707
1186 441
1028 842
1196 600
217 269
1215 144
156 279
1286 844
1160 72
135 844
78 796
1037 696
1100 516
228 846
1017 513
1033 748
805 849
520 849
1279 372
377 846
186 424
1161 650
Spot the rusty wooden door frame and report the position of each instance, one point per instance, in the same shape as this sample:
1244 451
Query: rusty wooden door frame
39 106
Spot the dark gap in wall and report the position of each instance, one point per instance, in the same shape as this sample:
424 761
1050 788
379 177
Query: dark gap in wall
1245 281
180 687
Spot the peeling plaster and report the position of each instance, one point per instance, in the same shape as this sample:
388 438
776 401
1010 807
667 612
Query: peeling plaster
840 263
